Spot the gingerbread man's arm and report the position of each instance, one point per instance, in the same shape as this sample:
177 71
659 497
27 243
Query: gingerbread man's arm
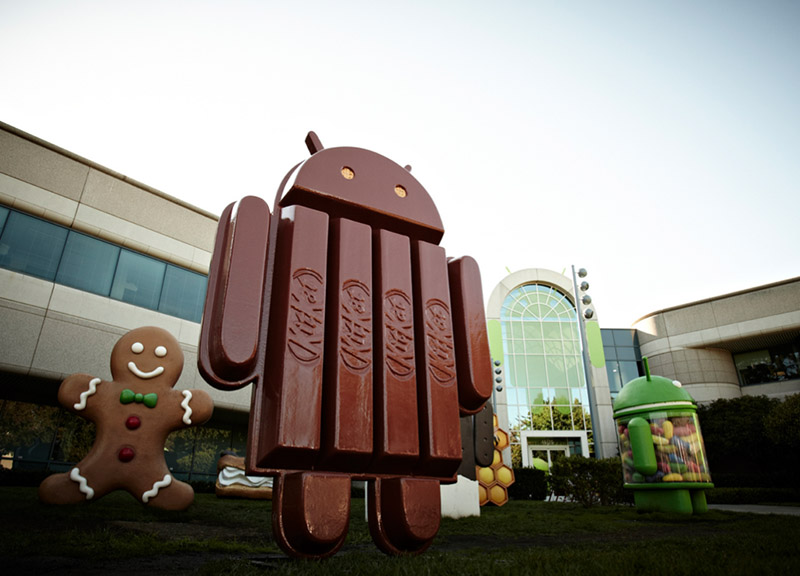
231 330
184 408
196 407
78 393
473 360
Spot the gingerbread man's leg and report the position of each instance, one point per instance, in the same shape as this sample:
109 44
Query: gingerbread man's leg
161 491
80 484
67 488
310 513
404 514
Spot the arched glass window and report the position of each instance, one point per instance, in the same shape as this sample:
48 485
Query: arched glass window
546 388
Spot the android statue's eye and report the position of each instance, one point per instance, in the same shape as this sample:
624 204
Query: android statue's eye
161 351
348 173
137 348
400 191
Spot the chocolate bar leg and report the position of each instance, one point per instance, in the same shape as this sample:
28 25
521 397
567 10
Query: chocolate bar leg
404 514
310 513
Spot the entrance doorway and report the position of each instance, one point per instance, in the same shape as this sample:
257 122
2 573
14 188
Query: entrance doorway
545 446
548 453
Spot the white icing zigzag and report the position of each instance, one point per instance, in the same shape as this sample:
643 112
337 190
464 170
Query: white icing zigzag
153 492
83 485
86 393
187 412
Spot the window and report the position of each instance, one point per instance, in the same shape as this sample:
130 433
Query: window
623 359
39 248
184 294
3 217
138 280
88 264
545 383
31 246
774 364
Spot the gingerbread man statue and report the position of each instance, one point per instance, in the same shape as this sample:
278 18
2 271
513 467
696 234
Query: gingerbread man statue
134 414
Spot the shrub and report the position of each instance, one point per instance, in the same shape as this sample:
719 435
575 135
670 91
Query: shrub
782 425
529 484
734 433
752 441
588 481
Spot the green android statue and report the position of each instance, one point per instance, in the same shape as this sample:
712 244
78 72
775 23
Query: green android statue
663 457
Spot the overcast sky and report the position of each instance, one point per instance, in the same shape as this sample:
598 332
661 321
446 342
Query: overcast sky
656 144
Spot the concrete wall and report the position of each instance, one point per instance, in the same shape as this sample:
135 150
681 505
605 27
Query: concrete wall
695 343
50 330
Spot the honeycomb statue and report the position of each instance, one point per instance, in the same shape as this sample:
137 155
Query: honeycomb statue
363 341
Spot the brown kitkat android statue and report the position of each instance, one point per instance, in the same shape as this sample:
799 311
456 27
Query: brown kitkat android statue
363 341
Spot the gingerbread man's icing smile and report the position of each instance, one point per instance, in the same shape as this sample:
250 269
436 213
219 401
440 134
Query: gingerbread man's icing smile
138 348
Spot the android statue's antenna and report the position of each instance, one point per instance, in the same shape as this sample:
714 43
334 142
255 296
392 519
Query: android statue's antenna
313 143
646 368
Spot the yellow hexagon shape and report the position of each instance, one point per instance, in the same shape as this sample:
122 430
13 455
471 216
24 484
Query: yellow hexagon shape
483 495
500 439
497 459
485 476
498 495
505 476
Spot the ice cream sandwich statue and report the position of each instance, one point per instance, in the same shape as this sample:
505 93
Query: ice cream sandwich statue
363 341
663 457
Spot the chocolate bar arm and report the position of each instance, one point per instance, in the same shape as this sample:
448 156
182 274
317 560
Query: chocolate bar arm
230 331
473 360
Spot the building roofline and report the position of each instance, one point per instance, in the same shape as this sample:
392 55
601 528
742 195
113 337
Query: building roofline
94 165
720 297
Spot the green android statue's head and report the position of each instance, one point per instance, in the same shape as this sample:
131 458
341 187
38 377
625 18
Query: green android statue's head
648 392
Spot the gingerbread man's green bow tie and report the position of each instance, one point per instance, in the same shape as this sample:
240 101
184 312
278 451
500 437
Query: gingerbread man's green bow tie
148 400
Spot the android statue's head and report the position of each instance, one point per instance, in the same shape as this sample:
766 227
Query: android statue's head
649 391
363 186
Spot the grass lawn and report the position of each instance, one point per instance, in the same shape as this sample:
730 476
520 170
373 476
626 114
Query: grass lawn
117 535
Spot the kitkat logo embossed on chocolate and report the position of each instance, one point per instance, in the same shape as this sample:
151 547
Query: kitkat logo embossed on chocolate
356 332
306 315
439 340
398 321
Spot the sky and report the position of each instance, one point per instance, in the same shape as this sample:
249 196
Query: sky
654 143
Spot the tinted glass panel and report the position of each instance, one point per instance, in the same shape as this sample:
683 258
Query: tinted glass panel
774 364
614 378
184 293
628 371
626 353
138 280
623 337
31 246
3 216
88 264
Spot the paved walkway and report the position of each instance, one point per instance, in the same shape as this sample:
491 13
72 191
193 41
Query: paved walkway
757 509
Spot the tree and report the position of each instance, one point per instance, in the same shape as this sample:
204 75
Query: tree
23 424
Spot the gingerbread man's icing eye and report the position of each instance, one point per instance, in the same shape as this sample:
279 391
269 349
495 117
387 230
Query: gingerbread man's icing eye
137 348
161 351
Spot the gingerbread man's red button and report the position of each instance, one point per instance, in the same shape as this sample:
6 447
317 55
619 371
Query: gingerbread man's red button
126 454
133 422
